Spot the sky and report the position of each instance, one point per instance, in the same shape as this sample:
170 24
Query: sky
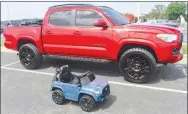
20 10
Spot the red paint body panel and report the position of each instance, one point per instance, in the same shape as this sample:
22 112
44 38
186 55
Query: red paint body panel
94 42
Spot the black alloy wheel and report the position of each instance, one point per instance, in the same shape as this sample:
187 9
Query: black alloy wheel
87 103
29 56
138 65
58 97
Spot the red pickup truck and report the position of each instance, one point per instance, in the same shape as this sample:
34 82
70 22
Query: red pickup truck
99 32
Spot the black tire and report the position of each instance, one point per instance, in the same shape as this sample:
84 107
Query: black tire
138 65
87 103
58 96
30 57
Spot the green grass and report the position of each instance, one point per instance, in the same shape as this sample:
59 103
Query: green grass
2 43
184 48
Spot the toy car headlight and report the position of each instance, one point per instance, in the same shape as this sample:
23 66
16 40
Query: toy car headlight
96 92
167 37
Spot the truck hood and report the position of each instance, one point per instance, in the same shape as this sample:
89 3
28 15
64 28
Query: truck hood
151 28
98 84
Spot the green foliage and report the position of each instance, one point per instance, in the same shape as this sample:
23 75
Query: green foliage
2 43
184 48
157 13
175 9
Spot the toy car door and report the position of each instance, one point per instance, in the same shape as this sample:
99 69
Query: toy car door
71 91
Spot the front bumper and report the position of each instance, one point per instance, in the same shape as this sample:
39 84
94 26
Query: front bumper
104 95
101 98
174 58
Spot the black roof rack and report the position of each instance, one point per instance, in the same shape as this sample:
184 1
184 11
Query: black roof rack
68 5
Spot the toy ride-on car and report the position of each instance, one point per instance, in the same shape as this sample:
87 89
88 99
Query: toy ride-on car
86 89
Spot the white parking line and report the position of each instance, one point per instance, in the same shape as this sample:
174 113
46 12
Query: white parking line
149 87
111 82
10 64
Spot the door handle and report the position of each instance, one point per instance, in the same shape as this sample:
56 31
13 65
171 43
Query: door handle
48 32
77 33
99 45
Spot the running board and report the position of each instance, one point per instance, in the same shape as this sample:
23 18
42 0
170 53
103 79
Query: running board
80 58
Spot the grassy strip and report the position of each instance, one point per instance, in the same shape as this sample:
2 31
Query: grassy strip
184 46
2 43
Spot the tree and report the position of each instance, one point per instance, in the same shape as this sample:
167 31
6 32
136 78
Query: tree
175 9
158 12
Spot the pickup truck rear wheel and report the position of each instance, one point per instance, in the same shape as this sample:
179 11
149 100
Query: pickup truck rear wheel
138 65
29 56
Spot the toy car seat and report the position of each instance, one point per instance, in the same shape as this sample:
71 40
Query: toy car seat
64 74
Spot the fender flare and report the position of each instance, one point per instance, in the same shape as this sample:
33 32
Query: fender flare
85 93
55 86
33 39
139 42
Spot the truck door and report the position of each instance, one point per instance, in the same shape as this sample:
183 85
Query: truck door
57 32
91 41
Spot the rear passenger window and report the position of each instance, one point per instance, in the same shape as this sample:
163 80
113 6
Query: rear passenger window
86 18
60 18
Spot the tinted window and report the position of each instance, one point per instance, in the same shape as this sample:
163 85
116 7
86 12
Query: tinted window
86 18
60 18
115 16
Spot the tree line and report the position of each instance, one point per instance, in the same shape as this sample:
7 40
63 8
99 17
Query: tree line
170 12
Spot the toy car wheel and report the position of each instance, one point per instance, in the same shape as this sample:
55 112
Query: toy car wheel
58 97
87 103
29 56
138 65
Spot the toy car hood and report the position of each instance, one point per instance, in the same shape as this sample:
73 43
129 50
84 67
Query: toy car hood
98 84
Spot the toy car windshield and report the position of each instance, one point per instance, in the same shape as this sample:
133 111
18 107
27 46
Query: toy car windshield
87 78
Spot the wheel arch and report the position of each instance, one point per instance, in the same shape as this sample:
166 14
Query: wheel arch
21 40
82 94
56 87
149 47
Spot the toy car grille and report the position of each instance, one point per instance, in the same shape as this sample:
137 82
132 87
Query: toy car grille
106 90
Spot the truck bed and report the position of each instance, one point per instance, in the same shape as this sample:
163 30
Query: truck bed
15 33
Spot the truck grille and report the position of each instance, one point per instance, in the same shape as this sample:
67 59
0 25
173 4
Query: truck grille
106 90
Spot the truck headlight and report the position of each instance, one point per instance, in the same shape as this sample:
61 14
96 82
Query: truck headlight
96 92
167 37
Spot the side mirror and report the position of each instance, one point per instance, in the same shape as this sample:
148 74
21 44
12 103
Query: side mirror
100 23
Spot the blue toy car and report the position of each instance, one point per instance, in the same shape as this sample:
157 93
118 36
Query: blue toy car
86 89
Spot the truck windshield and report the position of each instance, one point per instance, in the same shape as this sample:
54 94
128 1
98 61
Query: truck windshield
115 16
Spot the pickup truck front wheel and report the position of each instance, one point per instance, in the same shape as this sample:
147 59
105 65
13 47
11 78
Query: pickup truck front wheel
138 65
29 56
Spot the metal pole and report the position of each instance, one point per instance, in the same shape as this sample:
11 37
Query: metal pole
9 15
138 9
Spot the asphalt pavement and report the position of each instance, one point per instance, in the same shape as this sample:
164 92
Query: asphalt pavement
28 91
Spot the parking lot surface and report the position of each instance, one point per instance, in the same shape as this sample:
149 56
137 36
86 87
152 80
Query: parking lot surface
28 91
